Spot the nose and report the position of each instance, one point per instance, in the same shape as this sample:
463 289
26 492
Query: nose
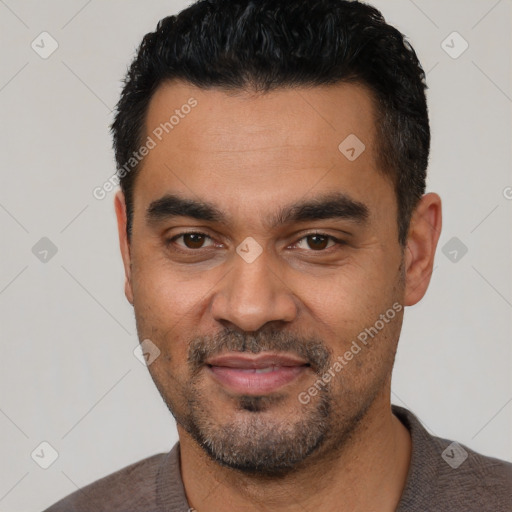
252 295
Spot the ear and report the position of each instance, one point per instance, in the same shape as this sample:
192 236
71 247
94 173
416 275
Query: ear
424 232
124 244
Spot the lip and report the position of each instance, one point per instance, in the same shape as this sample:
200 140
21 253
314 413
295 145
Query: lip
255 375
237 360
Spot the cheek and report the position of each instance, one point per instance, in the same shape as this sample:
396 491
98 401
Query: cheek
355 314
165 295
162 306
352 297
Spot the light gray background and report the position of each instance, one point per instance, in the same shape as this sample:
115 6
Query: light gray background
69 376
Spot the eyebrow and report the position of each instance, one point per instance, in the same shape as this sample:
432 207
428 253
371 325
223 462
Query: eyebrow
329 206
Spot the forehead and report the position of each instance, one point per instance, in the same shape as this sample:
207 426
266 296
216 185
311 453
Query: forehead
242 119
251 149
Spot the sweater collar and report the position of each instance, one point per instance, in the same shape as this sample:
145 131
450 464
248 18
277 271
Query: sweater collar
420 478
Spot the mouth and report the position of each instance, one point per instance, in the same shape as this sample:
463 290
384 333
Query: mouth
255 374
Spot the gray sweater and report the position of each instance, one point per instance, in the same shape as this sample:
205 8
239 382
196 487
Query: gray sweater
443 477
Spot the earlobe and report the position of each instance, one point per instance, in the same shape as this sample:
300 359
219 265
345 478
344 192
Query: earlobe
124 244
424 232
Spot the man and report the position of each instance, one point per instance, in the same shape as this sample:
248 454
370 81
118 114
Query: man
273 225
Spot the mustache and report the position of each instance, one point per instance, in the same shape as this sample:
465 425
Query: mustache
310 348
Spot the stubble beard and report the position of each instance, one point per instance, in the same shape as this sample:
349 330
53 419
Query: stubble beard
255 443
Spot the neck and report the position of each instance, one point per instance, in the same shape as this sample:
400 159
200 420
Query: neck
367 473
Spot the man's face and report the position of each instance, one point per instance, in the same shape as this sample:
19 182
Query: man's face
254 306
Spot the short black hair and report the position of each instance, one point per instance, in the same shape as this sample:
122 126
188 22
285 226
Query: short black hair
263 45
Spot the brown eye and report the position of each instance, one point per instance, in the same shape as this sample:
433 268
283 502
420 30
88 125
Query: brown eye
317 242
193 240
190 240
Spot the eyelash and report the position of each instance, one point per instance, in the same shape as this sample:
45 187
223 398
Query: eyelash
337 241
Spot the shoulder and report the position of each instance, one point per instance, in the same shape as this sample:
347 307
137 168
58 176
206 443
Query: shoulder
473 480
447 475
134 486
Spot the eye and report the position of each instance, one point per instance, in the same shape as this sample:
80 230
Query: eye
318 241
191 240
